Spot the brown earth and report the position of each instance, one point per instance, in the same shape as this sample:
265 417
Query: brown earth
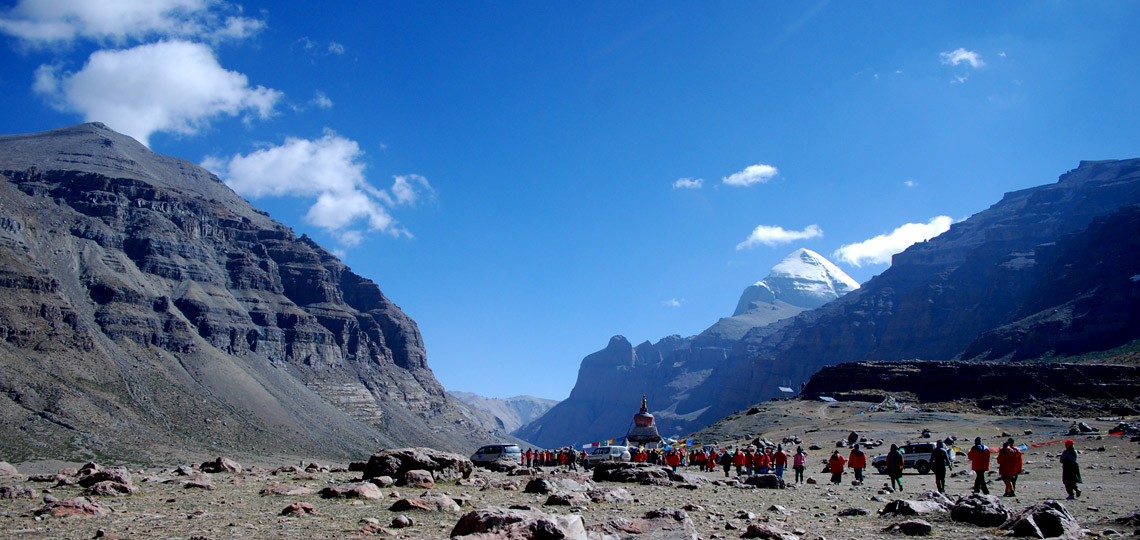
235 509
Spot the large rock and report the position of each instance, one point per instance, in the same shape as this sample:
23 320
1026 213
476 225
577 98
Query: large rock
503 464
1049 519
766 481
428 502
444 466
912 527
6 469
567 498
660 524
768 532
504 524
220 465
417 478
610 495
642 473
352 490
980 510
91 476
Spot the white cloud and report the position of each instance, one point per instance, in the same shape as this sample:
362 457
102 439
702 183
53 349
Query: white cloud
878 250
910 183
672 302
46 22
753 174
773 236
329 172
169 86
961 55
321 100
336 48
688 183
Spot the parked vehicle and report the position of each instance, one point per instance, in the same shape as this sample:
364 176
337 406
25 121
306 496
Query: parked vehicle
915 456
608 453
492 452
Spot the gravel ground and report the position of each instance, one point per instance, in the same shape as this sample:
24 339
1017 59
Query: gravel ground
236 509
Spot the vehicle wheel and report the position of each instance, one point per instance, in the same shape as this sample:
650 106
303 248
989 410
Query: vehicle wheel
922 467
882 468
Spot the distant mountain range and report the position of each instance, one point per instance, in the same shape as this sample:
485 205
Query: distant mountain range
611 381
1048 271
150 314
501 416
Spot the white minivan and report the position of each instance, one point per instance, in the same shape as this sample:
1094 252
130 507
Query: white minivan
608 453
493 452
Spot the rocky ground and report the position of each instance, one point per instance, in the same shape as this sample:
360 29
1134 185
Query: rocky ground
186 503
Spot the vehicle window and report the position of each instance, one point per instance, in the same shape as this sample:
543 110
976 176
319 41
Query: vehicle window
601 451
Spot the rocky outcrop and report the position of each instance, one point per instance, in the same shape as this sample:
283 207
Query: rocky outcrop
143 304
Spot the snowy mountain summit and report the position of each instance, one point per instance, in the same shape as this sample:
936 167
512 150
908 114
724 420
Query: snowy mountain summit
803 279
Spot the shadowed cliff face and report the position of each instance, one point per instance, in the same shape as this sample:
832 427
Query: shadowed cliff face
143 300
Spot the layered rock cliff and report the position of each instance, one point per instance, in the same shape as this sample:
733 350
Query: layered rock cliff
143 302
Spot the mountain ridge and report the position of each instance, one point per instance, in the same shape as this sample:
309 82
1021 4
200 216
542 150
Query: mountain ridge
145 305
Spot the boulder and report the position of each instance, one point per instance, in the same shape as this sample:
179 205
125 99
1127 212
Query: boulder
72 507
417 478
353 490
518 525
428 502
902 507
298 509
384 481
569 498
610 495
525 471
444 466
108 487
764 530
689 478
504 464
620 471
6 469
91 476
1049 519
660 524
220 465
541 486
402 522
853 511
912 527
766 481
16 492
285 490
981 510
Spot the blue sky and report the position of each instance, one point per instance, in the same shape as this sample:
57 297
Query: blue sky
527 180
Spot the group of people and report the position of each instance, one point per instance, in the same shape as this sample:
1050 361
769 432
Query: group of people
749 461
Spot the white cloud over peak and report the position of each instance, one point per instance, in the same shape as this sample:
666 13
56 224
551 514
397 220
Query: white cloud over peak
688 183
169 86
672 302
960 56
878 250
46 22
753 174
329 172
773 236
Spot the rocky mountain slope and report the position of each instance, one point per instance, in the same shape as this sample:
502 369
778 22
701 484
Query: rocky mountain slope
611 381
1046 271
147 311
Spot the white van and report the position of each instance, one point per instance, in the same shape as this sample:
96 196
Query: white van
493 452
608 453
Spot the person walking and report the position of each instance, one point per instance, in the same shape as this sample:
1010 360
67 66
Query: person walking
940 461
726 461
835 464
780 461
799 462
979 457
738 459
895 462
1070 470
857 460
1009 466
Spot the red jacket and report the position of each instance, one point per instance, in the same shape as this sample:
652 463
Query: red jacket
1009 461
857 459
836 463
780 458
739 458
979 457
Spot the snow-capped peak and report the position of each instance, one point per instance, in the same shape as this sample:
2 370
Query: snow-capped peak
804 279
